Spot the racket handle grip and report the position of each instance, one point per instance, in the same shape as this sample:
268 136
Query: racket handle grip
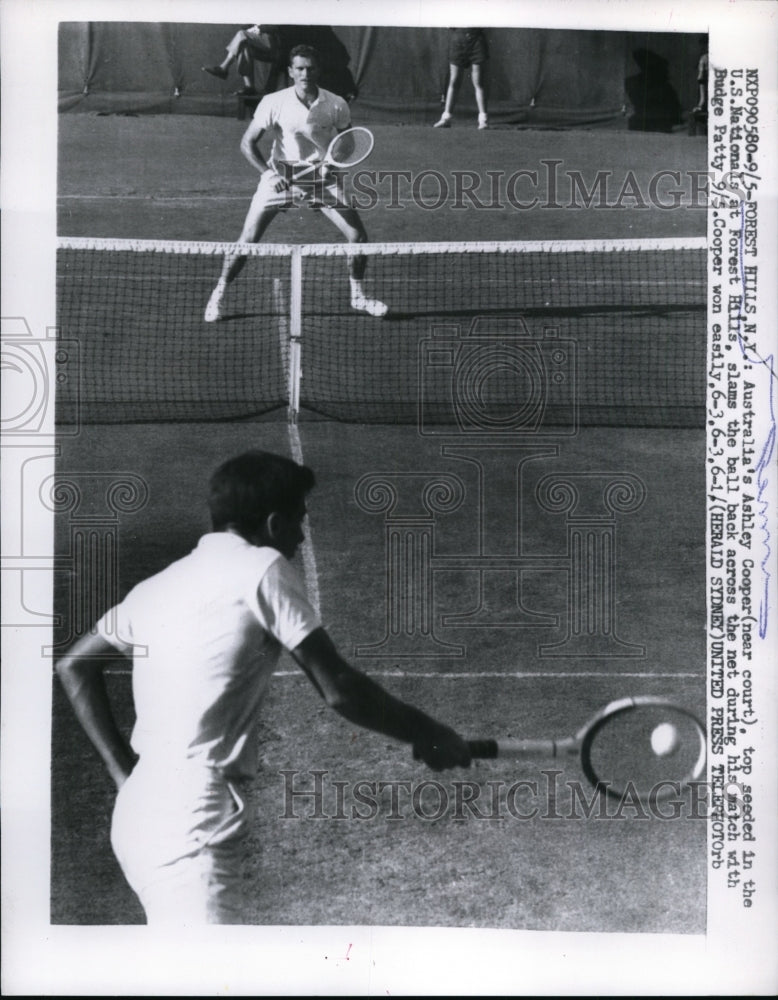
483 748
478 749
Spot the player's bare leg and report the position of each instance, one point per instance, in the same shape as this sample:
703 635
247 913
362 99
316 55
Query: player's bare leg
350 224
258 218
452 91
479 87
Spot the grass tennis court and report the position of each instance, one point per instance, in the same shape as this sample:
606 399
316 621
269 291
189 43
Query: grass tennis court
625 874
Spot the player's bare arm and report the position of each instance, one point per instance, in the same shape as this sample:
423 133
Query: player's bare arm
361 700
249 147
81 674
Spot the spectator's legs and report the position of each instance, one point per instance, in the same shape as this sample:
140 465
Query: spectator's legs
479 86
452 91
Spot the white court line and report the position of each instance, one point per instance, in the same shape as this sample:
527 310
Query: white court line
296 449
309 556
194 196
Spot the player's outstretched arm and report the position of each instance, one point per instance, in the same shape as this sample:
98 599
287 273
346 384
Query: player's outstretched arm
361 700
81 674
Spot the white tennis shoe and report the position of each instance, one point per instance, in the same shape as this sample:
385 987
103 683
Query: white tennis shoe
371 306
214 310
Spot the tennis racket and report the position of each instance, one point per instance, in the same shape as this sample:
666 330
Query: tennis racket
347 149
646 746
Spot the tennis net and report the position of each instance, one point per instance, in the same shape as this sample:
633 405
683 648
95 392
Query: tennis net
508 336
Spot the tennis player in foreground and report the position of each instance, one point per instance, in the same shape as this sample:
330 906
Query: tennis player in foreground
303 119
204 636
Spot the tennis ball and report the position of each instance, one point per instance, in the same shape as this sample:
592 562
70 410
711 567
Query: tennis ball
665 739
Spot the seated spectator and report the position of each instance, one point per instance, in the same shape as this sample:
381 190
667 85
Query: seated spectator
272 43
248 45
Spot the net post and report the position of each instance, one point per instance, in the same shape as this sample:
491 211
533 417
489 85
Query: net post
295 332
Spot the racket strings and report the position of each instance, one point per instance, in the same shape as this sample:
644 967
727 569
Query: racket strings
350 147
645 751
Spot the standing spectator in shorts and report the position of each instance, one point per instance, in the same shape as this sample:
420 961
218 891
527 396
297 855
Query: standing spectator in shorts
701 106
303 119
466 47
205 635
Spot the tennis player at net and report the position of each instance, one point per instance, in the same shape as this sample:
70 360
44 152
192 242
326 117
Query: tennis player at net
303 119
204 636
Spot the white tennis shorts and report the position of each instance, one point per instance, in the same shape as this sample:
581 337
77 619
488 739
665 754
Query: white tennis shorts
307 194
178 837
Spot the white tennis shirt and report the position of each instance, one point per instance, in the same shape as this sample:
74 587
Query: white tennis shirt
300 132
204 636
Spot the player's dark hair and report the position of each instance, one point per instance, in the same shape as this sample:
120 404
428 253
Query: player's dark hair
246 489
306 52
